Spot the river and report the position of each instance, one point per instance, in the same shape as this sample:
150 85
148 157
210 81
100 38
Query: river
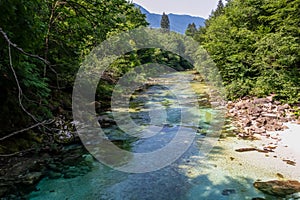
201 172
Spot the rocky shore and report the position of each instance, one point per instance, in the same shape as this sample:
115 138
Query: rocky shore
253 117
264 120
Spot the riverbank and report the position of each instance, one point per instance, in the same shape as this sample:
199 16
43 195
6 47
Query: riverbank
262 145
268 135
267 146
232 173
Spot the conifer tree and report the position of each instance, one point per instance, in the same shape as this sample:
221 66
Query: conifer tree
191 30
220 9
165 23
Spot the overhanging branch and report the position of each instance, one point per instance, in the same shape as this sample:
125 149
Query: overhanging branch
20 49
26 129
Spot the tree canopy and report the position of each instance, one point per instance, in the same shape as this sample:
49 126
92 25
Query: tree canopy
41 46
255 44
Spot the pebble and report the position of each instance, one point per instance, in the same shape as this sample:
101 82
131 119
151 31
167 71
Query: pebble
257 136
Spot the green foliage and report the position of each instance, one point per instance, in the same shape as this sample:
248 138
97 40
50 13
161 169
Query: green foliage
255 45
18 19
126 63
145 59
61 32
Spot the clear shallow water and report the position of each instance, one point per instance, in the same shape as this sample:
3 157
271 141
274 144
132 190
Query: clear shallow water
192 176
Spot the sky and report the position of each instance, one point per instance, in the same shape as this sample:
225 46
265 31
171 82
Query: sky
201 8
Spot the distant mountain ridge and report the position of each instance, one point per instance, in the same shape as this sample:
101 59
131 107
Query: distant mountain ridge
178 23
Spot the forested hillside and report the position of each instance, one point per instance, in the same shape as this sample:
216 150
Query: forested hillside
255 44
178 23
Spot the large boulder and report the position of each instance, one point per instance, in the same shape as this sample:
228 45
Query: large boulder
278 188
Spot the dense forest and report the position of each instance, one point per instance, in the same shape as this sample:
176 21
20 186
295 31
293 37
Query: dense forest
255 44
41 53
42 44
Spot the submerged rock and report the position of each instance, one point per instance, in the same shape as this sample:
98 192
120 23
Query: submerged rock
278 188
32 178
293 196
228 192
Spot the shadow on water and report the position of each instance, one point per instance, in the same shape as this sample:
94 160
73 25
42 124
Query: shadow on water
172 182
210 180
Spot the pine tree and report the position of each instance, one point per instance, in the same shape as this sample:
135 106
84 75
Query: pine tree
191 30
165 23
220 9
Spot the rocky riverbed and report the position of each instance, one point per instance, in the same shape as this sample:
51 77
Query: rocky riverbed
20 174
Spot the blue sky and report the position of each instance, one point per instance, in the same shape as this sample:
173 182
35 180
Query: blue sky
201 8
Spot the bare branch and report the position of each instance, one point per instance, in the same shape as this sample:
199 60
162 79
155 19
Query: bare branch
51 20
20 49
26 129
18 84
17 153
14 72
57 82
